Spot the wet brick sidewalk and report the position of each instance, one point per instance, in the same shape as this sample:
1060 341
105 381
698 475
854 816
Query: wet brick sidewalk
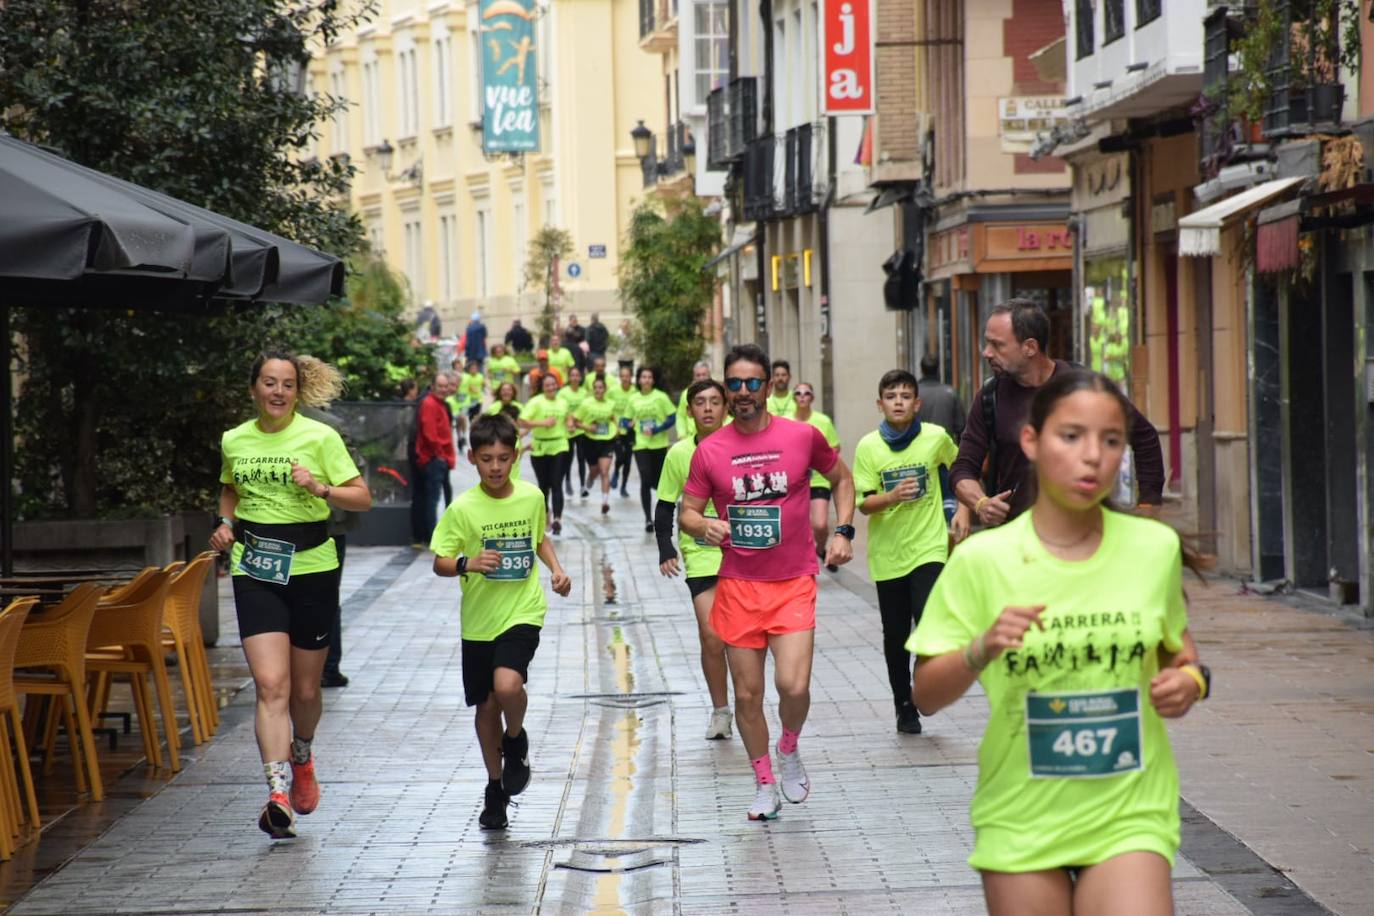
632 811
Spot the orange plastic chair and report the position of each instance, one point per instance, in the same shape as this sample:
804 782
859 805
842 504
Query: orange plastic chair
118 592
182 633
126 638
11 811
56 640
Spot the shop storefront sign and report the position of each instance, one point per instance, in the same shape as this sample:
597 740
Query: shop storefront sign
847 56
1020 118
510 95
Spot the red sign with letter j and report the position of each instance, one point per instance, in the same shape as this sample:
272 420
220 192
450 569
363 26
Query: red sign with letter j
847 56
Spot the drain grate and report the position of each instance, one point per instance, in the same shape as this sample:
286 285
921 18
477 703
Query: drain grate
627 700
615 856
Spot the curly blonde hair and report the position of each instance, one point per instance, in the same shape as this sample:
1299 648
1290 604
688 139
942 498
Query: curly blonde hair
317 383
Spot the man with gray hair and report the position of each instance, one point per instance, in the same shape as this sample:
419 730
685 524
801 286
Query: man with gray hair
1014 341
685 426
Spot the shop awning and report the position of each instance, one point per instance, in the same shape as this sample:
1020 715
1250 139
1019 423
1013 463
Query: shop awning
1276 242
1199 234
890 195
744 236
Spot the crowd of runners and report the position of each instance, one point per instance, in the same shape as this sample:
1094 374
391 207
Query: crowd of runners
1068 609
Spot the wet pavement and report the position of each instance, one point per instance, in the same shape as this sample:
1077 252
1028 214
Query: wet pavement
631 810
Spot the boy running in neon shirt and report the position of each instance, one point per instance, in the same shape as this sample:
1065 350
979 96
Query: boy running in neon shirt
489 538
901 470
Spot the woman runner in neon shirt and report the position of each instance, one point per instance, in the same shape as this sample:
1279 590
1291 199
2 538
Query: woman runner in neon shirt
1072 616
281 474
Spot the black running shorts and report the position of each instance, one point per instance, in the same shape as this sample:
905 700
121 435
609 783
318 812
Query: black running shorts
698 584
303 608
593 450
513 649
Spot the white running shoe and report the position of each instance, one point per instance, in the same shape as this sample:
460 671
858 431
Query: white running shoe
795 785
766 804
719 726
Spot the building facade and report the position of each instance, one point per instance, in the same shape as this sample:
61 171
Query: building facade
457 221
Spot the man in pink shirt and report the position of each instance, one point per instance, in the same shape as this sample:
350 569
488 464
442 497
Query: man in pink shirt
757 471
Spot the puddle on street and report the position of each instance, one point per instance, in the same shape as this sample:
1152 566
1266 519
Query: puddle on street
624 745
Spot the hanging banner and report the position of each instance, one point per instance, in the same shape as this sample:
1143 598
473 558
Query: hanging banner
510 83
847 56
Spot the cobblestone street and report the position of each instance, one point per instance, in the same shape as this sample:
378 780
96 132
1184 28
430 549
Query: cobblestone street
632 811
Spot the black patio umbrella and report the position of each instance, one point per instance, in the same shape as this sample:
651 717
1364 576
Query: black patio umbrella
74 237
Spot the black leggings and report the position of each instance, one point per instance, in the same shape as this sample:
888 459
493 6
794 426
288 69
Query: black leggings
576 455
624 445
548 470
900 602
649 461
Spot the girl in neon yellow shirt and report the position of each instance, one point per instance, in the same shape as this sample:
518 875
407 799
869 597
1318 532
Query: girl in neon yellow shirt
1072 617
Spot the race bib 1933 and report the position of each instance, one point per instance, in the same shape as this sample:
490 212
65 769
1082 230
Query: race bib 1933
892 477
266 559
755 527
1084 735
517 558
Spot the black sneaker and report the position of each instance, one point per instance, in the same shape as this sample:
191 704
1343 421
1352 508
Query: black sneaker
584 494
333 678
649 527
515 763
908 720
493 816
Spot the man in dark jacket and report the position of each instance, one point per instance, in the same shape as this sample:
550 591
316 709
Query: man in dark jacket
1014 347
518 338
574 335
940 403
598 338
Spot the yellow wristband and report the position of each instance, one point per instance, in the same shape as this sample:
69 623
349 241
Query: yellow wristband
1196 675
978 506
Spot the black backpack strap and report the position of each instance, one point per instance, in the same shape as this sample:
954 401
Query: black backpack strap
987 397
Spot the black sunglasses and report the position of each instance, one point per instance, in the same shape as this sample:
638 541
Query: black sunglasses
753 384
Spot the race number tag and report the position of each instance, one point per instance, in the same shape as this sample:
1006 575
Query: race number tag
892 477
1084 735
601 429
266 559
755 527
517 558
647 427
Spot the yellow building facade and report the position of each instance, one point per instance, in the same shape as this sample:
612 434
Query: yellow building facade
457 222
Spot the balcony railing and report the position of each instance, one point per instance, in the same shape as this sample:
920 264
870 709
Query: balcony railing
758 178
803 169
717 119
743 115
673 162
649 164
647 10
1304 73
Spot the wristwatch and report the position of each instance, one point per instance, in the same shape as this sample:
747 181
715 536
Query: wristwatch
845 531
1207 679
462 566
224 520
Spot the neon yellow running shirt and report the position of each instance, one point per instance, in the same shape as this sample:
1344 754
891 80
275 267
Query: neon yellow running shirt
1073 705
258 466
494 602
698 558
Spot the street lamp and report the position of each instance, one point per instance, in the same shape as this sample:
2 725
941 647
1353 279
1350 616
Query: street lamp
384 154
689 155
641 136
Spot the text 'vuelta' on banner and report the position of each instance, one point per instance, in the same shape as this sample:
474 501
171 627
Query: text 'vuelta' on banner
510 77
847 56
